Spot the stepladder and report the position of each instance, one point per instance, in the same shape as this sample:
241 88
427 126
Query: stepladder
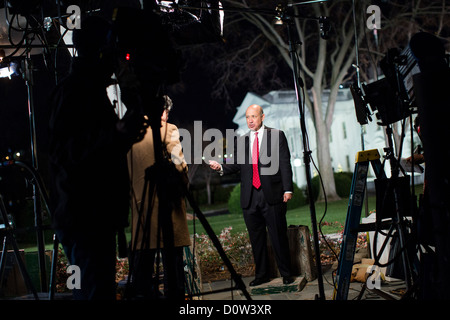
352 224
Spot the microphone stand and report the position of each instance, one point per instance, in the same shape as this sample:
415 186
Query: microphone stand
28 75
307 154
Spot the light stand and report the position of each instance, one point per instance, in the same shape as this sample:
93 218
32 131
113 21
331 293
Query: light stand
400 212
9 237
306 156
390 98
28 77
358 79
38 191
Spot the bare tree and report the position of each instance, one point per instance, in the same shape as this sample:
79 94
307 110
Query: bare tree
256 56
400 21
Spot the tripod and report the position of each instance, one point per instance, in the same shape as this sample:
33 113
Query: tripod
163 180
307 158
7 232
397 208
155 186
394 203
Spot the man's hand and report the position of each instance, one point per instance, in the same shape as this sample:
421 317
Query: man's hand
214 165
287 196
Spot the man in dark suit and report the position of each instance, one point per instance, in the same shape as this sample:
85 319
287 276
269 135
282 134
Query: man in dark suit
88 162
263 159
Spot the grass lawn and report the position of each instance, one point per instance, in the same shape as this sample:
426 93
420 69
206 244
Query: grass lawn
335 215
335 211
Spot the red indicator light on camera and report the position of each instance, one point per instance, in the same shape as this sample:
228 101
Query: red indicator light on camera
127 57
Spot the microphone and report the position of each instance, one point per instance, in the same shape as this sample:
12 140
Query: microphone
325 27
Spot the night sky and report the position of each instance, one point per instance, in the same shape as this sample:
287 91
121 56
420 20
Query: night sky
14 118
195 103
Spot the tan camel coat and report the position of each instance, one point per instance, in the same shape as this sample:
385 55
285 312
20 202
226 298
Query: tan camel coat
142 156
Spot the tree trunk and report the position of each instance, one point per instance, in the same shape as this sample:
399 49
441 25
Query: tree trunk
322 131
324 159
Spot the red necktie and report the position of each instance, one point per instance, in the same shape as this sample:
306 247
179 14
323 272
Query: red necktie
255 157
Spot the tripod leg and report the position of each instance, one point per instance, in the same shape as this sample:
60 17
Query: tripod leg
53 267
240 284
3 261
23 269
10 237
20 262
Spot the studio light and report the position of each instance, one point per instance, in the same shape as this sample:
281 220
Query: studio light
8 71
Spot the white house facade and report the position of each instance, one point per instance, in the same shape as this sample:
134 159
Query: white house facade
282 112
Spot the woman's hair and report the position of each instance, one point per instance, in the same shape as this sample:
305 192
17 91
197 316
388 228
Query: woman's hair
168 104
